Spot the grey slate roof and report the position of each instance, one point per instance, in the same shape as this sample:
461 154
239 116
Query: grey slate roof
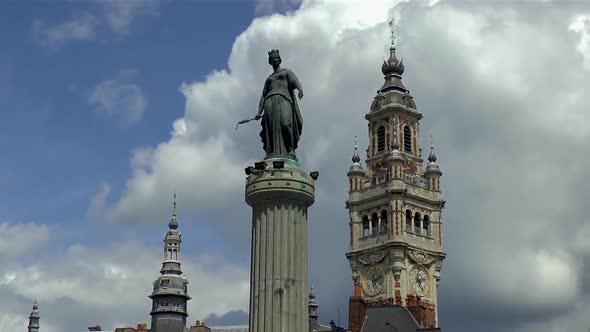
391 318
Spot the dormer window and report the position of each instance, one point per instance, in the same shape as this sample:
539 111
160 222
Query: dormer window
407 139
164 282
381 139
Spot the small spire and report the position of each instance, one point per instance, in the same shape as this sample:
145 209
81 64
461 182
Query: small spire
356 158
35 306
173 224
432 156
312 295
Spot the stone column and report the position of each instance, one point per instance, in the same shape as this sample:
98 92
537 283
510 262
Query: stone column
279 272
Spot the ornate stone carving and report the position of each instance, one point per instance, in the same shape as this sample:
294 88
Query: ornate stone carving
355 267
356 278
420 257
372 257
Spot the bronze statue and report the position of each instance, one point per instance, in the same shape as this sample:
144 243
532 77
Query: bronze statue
281 119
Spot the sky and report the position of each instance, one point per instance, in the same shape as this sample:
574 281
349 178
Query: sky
109 108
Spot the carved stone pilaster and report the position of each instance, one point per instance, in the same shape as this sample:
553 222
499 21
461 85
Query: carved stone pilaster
397 257
437 270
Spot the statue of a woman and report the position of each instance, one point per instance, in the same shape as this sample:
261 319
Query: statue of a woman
281 119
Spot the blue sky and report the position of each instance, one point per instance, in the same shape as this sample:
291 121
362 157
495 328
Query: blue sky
108 108
58 147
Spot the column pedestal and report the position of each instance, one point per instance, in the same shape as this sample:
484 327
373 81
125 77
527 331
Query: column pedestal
279 272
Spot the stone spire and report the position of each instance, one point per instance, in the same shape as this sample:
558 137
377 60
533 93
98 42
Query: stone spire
433 171
356 172
313 311
393 90
34 319
173 224
432 156
169 297
356 158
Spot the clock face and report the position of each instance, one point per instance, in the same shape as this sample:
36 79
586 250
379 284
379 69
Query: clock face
374 280
419 280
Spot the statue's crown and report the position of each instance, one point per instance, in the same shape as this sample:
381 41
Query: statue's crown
273 52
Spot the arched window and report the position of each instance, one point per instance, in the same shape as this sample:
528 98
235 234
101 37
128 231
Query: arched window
381 139
407 139
426 226
365 226
408 221
383 222
374 224
417 226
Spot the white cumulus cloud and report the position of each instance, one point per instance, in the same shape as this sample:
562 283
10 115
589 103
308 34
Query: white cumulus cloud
89 280
500 89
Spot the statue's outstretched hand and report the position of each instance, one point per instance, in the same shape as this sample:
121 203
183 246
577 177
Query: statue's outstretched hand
300 94
257 117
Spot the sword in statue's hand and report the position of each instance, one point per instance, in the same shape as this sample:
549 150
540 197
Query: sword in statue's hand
247 120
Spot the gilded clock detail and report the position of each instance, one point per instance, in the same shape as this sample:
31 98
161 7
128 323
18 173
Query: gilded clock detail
374 280
419 280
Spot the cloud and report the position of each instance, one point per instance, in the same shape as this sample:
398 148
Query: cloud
117 16
120 98
267 7
81 27
86 280
98 203
20 238
234 317
502 91
121 14
581 25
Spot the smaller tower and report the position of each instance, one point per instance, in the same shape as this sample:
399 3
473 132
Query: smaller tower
313 311
34 319
356 174
433 172
169 297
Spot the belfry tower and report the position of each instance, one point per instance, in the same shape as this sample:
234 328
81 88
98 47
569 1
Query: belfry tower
34 319
395 208
170 297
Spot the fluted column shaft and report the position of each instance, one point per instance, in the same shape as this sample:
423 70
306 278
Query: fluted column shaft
279 266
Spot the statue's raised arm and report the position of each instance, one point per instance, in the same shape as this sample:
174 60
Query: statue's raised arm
278 109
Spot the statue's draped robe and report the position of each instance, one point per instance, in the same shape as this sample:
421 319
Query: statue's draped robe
281 121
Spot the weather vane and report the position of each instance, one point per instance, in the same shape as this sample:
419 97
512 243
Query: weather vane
392 30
